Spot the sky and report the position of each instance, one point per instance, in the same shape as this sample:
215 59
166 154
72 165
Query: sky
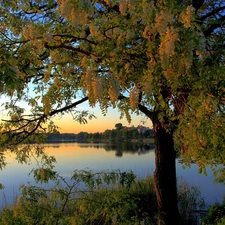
101 123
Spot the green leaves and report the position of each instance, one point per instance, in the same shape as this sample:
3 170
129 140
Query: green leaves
104 178
107 52
82 116
76 200
69 201
44 174
168 63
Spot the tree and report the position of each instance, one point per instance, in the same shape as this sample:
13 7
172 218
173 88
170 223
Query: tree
107 134
146 133
96 136
164 59
118 126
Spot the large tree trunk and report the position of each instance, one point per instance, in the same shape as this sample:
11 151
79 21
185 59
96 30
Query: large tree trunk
165 179
165 176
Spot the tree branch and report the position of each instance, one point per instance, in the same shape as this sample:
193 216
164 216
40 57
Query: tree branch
146 111
69 48
215 25
212 13
197 4
73 105
39 119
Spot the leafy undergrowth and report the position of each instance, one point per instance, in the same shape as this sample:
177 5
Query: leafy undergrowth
88 198
215 215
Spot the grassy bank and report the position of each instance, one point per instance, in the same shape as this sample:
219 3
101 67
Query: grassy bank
87 198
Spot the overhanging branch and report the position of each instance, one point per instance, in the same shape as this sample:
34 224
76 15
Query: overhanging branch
146 111
73 105
212 13
216 24
36 122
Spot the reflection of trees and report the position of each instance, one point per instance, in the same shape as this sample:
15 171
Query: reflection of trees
128 147
121 147
91 145
56 146
119 153
121 133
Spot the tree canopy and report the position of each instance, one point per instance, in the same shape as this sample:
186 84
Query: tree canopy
167 56
161 58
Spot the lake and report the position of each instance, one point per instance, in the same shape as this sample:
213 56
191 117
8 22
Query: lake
97 157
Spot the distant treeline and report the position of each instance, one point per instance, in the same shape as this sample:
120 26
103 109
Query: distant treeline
119 133
57 137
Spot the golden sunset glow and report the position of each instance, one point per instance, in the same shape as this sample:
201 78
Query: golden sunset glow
98 124
101 123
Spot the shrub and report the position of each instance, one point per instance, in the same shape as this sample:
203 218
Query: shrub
87 198
120 205
215 215
190 201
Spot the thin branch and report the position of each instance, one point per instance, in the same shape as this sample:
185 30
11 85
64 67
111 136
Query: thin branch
218 23
212 13
27 134
68 107
40 119
69 48
73 38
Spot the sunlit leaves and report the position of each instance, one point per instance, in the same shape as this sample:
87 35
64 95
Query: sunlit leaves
187 17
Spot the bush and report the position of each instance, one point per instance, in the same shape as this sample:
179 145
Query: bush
120 205
215 215
106 198
190 201
87 198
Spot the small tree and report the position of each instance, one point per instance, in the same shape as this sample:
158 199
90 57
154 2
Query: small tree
119 126
147 133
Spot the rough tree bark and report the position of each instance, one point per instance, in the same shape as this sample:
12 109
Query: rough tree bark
165 179
165 176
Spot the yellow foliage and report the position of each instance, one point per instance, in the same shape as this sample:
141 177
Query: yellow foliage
187 17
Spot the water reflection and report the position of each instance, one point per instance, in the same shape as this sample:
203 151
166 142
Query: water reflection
127 147
99 156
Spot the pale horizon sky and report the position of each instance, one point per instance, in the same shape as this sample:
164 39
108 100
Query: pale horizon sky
98 124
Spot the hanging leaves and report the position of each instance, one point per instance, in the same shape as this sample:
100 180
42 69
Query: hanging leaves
164 57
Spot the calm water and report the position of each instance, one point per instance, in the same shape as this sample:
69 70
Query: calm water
99 157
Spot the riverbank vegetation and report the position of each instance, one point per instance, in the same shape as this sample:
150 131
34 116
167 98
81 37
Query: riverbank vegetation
136 134
119 133
104 198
